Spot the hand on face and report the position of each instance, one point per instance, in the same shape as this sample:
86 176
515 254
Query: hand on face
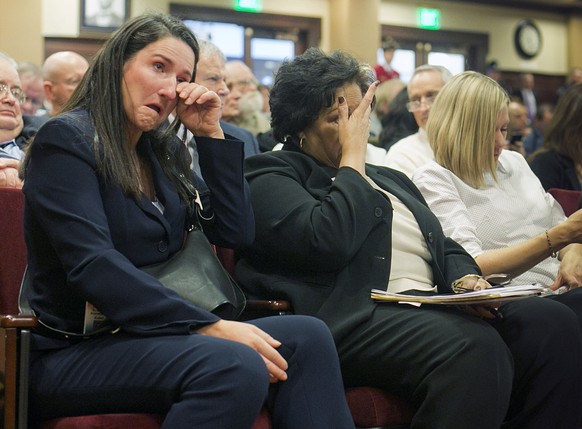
199 110
354 129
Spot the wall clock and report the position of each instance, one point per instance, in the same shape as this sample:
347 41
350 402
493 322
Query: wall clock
527 39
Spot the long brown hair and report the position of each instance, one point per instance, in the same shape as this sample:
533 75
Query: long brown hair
99 92
564 132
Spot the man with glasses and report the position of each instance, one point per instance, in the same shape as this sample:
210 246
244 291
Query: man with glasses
210 72
15 130
245 101
414 151
62 72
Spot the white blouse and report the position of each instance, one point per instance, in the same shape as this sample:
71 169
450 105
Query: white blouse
503 213
411 259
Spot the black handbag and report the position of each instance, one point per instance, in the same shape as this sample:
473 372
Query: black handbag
196 274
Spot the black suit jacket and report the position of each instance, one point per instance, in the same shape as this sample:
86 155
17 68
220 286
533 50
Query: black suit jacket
324 237
250 141
555 171
86 238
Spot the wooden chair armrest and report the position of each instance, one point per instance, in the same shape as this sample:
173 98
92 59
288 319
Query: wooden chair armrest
20 321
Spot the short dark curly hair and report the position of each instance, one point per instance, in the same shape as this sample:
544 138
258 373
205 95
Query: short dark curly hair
307 84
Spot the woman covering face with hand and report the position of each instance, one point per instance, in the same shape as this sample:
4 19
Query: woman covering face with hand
330 228
105 194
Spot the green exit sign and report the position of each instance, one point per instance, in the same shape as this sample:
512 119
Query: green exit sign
428 18
247 5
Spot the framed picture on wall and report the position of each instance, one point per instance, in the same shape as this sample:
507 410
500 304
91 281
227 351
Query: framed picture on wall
103 15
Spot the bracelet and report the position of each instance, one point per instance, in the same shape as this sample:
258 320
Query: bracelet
553 253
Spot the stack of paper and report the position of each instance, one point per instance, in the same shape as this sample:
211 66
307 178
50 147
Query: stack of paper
496 294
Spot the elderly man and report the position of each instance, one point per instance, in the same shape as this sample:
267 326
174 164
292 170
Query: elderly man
62 72
518 128
210 72
243 87
15 130
414 151
32 85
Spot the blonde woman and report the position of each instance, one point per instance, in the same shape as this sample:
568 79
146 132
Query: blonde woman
488 199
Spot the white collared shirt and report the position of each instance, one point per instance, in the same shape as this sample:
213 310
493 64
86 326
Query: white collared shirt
409 153
504 213
11 150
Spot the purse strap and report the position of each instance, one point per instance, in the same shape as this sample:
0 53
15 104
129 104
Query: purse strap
194 206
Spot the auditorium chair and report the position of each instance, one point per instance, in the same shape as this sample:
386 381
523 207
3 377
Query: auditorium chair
370 407
568 199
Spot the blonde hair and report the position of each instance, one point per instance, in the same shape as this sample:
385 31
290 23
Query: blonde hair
462 124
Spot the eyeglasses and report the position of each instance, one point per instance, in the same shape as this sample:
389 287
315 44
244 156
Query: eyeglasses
74 81
242 84
17 93
413 106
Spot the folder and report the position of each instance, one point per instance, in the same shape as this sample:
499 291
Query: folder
494 294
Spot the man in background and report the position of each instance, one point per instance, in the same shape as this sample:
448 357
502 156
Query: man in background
492 70
541 120
210 72
385 71
574 77
62 72
32 85
414 151
518 128
243 87
15 130
525 93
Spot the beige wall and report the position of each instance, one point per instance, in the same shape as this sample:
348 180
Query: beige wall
355 39
24 23
499 23
20 30
575 34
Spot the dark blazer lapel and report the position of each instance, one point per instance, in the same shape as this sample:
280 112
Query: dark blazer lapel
165 193
404 190
395 187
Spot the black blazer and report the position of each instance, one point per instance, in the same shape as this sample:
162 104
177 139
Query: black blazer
85 237
555 171
324 237
250 141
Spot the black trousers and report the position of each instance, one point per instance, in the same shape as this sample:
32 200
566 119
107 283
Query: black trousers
197 381
460 371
